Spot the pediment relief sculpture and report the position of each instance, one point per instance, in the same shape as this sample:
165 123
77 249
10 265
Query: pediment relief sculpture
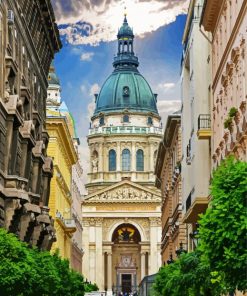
124 193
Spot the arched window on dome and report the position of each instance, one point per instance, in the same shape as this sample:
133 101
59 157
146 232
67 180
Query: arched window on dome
112 160
139 160
101 121
126 118
150 120
126 160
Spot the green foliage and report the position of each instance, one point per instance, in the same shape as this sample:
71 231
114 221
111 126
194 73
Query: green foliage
28 271
227 122
188 276
223 228
233 111
91 287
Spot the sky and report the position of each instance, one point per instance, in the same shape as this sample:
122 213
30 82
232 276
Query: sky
88 30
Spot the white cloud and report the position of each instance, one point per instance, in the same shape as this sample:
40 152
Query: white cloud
167 107
167 86
95 88
83 150
91 21
86 56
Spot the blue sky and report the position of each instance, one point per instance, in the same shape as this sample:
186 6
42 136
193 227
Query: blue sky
85 61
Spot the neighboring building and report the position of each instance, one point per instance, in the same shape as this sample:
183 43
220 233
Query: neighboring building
28 41
227 21
77 194
196 132
121 214
168 178
59 124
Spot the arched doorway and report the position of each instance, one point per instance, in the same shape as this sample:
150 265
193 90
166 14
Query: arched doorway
126 251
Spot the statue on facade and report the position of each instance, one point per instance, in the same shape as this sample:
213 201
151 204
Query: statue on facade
95 164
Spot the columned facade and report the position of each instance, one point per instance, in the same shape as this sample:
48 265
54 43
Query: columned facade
120 251
121 214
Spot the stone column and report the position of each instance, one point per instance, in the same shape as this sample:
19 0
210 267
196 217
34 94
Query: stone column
151 151
154 224
143 264
109 274
118 157
85 246
133 157
99 274
101 161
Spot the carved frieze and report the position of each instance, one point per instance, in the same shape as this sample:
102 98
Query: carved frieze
125 193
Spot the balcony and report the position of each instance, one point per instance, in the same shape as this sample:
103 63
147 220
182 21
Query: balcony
68 225
194 208
204 127
125 130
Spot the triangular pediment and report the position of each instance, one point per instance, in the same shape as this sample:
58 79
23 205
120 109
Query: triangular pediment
125 191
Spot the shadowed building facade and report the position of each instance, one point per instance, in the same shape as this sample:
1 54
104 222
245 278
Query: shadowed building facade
28 41
121 214
168 179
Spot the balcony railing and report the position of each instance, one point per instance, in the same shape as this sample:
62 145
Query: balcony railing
204 126
68 224
125 130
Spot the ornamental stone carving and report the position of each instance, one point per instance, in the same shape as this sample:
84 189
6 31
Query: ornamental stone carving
155 221
126 193
90 221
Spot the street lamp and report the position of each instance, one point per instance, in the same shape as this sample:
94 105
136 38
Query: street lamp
170 260
181 250
195 236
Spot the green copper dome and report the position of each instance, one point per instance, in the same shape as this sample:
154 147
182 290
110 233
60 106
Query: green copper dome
125 88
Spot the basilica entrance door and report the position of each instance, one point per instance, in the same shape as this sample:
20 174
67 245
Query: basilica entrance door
126 283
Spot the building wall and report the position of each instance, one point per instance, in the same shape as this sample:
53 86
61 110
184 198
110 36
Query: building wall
77 194
196 104
62 151
228 25
25 170
168 178
118 197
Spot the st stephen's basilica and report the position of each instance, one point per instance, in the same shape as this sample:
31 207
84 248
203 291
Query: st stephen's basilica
121 214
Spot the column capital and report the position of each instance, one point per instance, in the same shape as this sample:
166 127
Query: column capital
155 221
92 221
99 221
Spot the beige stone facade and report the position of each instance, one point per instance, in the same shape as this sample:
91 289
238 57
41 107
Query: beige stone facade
77 193
28 41
195 119
168 179
121 200
227 22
